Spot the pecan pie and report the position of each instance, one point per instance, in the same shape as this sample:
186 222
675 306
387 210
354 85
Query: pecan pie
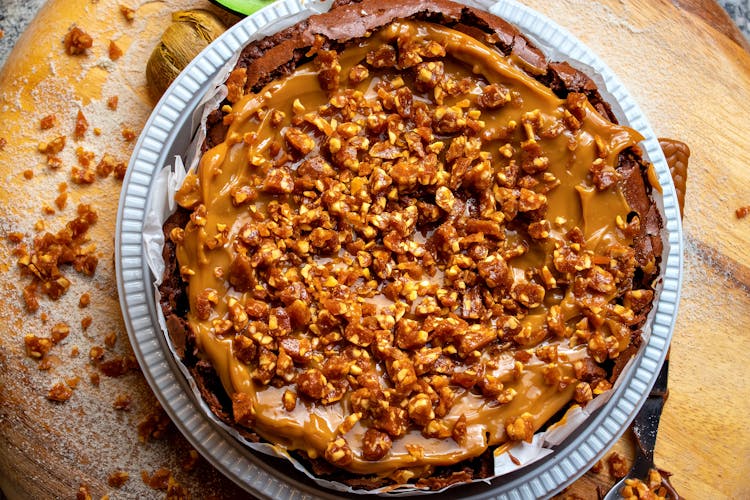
411 240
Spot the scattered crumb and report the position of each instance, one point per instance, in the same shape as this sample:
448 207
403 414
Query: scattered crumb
122 402
618 468
96 353
153 425
110 339
59 392
3 143
127 13
37 347
159 480
175 491
117 478
191 461
112 102
83 493
59 332
28 174
86 322
82 124
118 366
77 41
115 52
48 122
107 165
84 300
128 134
120 169
61 200
742 212
84 157
53 147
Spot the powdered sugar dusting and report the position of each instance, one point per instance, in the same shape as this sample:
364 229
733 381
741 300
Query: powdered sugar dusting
84 439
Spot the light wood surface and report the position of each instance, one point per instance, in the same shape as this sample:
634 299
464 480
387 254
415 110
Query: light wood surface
679 60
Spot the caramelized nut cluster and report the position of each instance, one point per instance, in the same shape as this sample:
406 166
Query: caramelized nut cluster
396 238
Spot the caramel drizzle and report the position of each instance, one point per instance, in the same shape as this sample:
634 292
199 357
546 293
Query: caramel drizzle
310 427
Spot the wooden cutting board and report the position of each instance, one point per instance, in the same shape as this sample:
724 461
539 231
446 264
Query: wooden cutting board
682 61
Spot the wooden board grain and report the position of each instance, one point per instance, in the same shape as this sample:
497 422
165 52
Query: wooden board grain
680 60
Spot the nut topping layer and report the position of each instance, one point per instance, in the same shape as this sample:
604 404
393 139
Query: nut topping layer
408 251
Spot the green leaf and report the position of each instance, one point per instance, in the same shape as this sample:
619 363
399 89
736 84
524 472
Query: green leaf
242 7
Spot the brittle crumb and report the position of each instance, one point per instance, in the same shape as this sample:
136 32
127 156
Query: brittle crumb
115 52
159 480
742 212
86 322
127 12
48 122
122 402
82 124
618 467
77 41
83 493
59 392
153 425
128 134
117 478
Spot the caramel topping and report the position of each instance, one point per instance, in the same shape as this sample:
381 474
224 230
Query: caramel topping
408 251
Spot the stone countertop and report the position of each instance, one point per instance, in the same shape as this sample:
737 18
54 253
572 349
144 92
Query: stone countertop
15 15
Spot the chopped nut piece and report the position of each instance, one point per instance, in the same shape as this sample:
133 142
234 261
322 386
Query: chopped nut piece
521 428
299 140
289 400
338 452
375 445
243 409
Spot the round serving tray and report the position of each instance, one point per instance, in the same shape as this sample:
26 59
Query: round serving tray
169 131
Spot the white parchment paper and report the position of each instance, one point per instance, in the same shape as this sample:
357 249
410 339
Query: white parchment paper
169 179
